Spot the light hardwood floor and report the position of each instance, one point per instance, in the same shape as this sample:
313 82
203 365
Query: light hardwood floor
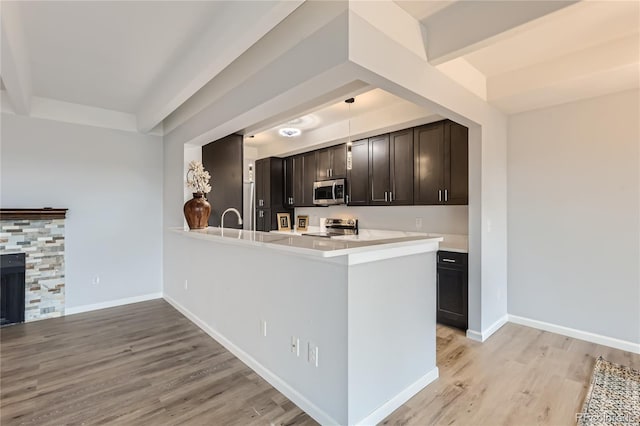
145 364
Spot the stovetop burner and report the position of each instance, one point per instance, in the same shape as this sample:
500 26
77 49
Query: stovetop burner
337 227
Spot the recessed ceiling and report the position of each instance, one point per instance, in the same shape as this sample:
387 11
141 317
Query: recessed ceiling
572 29
364 103
107 54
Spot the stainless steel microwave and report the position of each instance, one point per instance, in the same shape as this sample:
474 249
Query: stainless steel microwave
329 192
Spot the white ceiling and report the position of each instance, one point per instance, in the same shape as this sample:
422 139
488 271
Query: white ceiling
107 54
148 57
365 103
587 49
569 30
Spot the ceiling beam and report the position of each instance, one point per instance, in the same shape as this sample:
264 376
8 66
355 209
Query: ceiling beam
14 65
236 28
466 26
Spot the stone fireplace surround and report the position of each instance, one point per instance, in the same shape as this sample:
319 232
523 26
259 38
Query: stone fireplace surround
39 234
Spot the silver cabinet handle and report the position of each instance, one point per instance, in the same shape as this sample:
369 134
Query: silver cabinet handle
328 173
448 260
390 197
347 198
385 196
446 195
440 195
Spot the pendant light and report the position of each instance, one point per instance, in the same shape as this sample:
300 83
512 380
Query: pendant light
349 143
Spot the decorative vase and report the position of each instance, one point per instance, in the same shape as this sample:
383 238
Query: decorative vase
197 211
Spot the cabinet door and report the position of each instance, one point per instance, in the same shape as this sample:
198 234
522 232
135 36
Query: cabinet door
338 161
260 183
400 162
323 164
288 182
263 220
358 176
456 164
428 184
309 177
298 180
379 177
452 297
265 177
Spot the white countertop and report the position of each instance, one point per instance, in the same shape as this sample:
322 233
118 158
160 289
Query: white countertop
450 242
317 246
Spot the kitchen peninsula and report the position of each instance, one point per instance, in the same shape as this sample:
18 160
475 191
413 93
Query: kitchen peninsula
345 329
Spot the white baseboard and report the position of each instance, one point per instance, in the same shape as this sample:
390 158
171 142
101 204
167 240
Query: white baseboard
484 335
390 406
307 406
577 334
112 303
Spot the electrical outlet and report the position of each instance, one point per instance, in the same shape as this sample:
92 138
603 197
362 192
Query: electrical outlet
263 328
186 284
96 280
418 223
312 353
295 345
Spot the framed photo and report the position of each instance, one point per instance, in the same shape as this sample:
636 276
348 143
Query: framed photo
302 222
284 222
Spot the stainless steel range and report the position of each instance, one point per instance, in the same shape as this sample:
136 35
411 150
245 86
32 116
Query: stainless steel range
337 227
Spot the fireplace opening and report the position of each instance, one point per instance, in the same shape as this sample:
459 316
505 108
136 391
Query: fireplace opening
12 289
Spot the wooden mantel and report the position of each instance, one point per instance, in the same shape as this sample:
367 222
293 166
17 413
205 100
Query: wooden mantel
33 214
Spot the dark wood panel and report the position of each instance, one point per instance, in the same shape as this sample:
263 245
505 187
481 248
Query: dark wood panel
223 160
323 164
308 178
298 180
379 174
338 161
457 164
428 164
401 167
358 176
33 214
288 182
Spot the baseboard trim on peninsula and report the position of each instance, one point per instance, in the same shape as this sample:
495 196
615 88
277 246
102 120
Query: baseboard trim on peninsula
577 334
481 337
275 381
393 404
112 303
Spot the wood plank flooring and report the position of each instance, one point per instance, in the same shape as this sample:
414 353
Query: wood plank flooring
145 364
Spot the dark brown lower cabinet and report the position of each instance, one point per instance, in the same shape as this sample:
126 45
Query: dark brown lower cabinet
263 220
452 289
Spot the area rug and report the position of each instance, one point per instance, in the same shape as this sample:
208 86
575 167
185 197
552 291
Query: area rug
613 397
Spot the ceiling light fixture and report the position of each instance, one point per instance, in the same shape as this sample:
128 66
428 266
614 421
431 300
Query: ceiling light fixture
289 132
349 143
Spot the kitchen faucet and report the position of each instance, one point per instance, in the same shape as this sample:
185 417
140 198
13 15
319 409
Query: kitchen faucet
230 209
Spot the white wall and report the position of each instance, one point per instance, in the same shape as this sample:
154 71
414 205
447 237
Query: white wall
436 219
111 182
573 215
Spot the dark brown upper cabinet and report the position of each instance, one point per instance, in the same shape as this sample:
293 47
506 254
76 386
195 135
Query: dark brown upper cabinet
400 161
331 163
223 159
303 176
390 171
441 164
358 176
288 182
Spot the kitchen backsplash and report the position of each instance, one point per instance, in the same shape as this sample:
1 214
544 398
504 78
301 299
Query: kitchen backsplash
437 219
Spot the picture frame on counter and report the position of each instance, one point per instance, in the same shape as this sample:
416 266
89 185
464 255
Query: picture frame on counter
302 222
284 222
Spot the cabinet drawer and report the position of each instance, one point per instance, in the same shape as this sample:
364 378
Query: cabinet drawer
452 258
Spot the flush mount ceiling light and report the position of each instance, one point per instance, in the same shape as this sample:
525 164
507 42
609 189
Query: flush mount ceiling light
289 132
